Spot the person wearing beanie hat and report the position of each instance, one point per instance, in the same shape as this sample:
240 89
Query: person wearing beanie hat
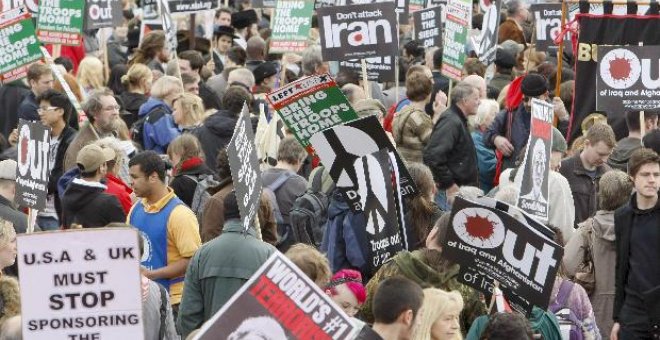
85 202
223 38
504 63
509 131
204 295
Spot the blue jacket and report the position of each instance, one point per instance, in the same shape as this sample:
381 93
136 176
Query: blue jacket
158 133
341 239
486 162
517 131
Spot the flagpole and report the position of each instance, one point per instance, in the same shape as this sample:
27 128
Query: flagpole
365 83
396 66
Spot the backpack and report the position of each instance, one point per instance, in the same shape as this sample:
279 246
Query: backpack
570 325
137 129
283 227
309 214
202 195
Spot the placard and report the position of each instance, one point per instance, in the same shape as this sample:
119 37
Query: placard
245 171
32 6
310 105
150 9
547 22
32 171
459 16
358 31
535 173
290 25
491 240
18 44
103 13
486 43
627 78
402 7
379 69
192 6
82 284
60 22
428 28
278 302
169 27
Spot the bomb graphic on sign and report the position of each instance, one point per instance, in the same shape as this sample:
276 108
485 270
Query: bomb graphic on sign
479 227
620 68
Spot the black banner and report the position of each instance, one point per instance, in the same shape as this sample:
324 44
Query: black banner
103 13
491 240
628 78
33 170
428 28
379 69
358 31
547 21
245 171
486 43
600 30
192 6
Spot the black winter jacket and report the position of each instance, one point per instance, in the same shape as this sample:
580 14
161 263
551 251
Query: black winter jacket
66 137
87 204
583 187
184 187
214 134
450 152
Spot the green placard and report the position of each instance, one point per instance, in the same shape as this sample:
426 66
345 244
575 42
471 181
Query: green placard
61 22
310 105
459 16
290 25
18 44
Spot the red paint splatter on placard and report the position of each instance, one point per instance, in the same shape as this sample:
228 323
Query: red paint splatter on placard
620 68
479 227
24 150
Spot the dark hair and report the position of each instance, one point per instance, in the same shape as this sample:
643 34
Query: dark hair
641 157
443 224
414 48
194 57
506 326
149 162
57 99
394 296
347 76
437 58
237 55
632 119
114 81
652 140
153 42
421 209
64 61
234 98
222 164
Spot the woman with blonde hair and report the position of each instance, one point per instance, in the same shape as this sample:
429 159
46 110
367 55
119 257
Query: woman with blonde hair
137 84
90 74
439 316
188 166
188 111
9 292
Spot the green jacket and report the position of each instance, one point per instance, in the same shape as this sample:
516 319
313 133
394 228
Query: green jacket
217 271
426 267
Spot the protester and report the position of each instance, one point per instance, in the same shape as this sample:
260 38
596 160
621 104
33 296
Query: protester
486 159
102 111
137 84
256 52
40 79
450 152
204 295
159 129
8 210
188 112
636 239
652 140
152 52
353 93
439 316
594 242
347 291
216 131
77 93
412 127
584 170
517 12
12 329
222 40
504 63
54 112
213 216
115 185
192 61
90 75
286 185
504 326
396 303
625 147
421 211
9 290
190 81
11 97
187 158
169 226
84 202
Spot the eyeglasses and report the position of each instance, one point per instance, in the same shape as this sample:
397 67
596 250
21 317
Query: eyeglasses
112 108
46 109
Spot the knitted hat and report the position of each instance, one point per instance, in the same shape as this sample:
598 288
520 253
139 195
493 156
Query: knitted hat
558 141
231 207
534 85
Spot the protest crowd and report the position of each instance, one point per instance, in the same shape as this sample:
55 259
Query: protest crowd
299 169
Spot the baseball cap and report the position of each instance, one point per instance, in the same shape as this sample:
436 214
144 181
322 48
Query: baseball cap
91 157
8 169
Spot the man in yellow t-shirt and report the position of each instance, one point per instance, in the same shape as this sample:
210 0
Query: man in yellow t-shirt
169 228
